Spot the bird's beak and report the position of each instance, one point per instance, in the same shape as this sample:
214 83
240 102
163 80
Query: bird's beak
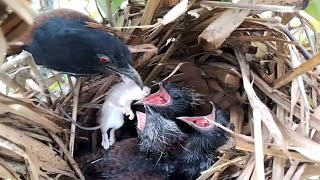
131 73
141 120
201 122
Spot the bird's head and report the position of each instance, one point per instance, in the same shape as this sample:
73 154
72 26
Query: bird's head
115 56
206 124
173 98
156 133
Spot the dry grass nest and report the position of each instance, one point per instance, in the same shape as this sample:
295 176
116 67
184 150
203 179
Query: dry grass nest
250 64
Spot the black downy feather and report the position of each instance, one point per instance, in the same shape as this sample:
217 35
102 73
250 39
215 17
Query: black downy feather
200 150
152 153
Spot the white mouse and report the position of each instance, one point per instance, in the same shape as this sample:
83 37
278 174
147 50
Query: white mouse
118 102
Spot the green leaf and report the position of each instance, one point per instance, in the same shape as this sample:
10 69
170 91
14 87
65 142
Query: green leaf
313 9
115 4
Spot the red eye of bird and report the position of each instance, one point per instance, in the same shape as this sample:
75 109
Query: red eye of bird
104 60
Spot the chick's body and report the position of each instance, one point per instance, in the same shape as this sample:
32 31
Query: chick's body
201 146
149 155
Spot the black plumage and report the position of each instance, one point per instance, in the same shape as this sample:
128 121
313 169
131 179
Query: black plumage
200 148
163 150
160 135
149 155
173 100
60 40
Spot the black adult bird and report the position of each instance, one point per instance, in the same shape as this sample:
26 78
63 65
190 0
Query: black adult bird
149 155
200 148
60 40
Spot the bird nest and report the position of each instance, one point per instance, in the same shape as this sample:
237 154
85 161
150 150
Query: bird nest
249 63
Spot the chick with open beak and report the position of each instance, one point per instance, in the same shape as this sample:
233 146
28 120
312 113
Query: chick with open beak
202 146
152 154
156 133
172 100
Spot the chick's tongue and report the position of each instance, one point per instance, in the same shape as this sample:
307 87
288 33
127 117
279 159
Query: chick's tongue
198 121
157 98
201 122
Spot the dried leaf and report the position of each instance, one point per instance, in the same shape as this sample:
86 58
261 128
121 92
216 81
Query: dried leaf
22 9
149 12
32 164
305 146
3 47
175 12
259 107
46 156
6 173
221 28
31 115
310 170
240 145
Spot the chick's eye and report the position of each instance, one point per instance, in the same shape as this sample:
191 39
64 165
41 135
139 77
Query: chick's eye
104 59
176 96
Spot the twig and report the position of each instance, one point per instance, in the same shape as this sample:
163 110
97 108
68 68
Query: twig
3 47
243 146
156 70
302 50
108 29
302 15
258 145
257 116
280 99
149 12
105 21
305 29
258 7
36 72
16 60
142 48
24 11
264 38
260 108
4 77
293 73
73 163
233 161
74 114
173 72
109 12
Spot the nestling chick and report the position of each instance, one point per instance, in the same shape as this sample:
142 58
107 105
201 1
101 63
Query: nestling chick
201 147
122 161
172 101
151 156
157 133
117 103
